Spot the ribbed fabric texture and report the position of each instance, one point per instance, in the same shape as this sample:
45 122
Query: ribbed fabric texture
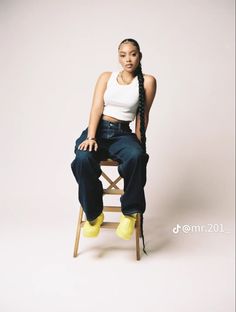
121 101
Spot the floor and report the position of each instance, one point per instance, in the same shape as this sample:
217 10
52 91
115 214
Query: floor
182 272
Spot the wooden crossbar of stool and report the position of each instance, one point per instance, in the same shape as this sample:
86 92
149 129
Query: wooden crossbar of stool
112 189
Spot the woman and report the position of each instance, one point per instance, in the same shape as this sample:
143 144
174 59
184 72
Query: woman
118 98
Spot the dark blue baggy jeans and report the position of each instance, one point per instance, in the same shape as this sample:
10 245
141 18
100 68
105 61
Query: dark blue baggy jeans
118 142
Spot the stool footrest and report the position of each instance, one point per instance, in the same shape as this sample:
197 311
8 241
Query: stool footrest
108 224
112 208
113 192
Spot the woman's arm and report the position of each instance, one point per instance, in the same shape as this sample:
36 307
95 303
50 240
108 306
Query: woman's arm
150 87
97 103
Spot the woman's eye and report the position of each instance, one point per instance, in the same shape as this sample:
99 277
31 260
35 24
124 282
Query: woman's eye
124 55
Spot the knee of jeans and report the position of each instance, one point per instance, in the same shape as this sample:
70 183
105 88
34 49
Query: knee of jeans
138 155
83 155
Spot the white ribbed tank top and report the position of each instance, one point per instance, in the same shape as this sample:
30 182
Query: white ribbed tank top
121 101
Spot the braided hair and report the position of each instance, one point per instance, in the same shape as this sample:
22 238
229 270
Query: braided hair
140 111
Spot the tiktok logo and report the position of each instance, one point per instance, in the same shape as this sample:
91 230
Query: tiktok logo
176 229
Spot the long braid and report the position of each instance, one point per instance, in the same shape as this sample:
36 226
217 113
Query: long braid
141 106
140 111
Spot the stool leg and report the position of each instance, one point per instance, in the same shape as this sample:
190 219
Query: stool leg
137 236
78 232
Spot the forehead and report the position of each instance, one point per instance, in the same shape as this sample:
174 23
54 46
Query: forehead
127 47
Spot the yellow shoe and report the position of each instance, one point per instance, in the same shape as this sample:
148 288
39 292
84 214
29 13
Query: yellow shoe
126 227
92 228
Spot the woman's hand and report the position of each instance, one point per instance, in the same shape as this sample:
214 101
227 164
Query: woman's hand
88 143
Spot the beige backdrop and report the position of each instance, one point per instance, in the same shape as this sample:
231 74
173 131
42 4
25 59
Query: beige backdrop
51 55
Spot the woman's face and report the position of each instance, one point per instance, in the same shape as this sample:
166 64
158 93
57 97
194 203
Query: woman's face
129 57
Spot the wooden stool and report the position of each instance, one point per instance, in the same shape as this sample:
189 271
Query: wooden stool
112 189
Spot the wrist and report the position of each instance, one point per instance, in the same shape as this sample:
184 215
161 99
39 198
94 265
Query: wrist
91 138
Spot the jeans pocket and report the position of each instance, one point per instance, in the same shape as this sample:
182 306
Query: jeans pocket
105 133
126 131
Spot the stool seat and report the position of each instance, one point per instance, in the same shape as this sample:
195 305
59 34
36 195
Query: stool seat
112 189
109 162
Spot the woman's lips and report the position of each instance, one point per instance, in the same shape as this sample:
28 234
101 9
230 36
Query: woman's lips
129 66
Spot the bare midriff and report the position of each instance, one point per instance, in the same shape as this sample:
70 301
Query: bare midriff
112 119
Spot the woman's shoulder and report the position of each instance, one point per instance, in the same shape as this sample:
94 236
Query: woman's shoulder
104 76
102 80
149 80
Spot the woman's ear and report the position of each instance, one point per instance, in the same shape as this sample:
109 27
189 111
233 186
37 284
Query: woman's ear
140 56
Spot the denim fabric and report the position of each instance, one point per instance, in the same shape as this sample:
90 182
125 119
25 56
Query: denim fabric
118 142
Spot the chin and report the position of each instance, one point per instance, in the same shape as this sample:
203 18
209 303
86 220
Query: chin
130 70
